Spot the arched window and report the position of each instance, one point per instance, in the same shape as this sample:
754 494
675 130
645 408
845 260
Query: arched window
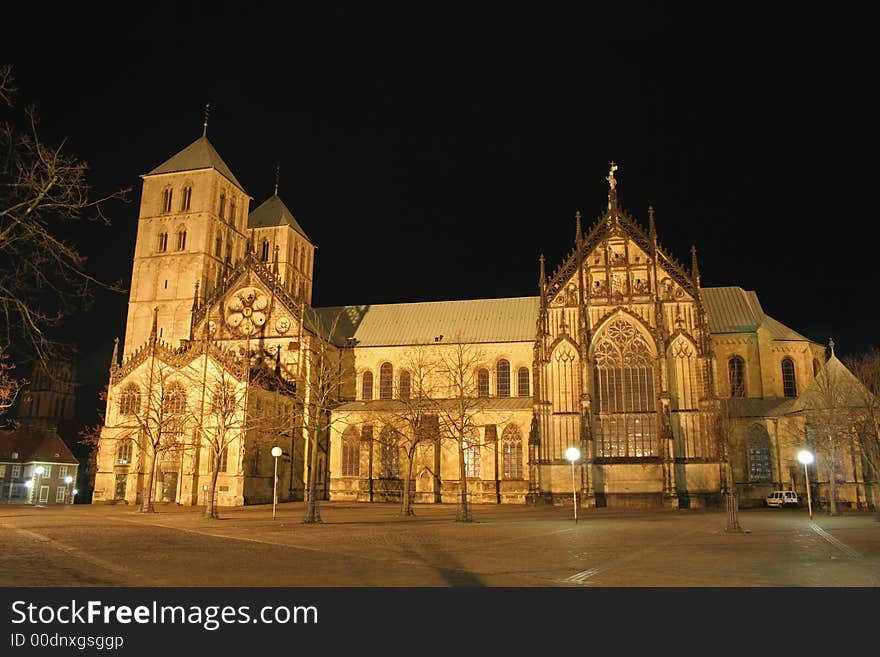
502 373
522 382
222 211
181 237
759 454
483 383
232 210
367 386
162 242
789 383
218 246
511 448
389 454
166 200
405 386
130 400
351 452
736 375
386 381
185 198
624 383
123 453
174 399
264 250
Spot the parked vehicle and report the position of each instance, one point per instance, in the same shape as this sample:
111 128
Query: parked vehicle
781 498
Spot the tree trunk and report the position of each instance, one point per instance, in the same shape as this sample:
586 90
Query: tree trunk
464 514
832 482
147 501
210 507
312 514
406 507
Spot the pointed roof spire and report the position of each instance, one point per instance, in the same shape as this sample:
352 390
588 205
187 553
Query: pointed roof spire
578 233
652 229
273 212
543 275
612 187
695 270
205 124
114 358
275 260
195 305
277 177
200 154
831 345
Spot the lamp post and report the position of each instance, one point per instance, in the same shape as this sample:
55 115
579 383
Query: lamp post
806 457
276 452
29 484
68 480
38 471
573 454
73 495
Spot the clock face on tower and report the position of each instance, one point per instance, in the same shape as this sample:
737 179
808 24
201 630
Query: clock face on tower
246 311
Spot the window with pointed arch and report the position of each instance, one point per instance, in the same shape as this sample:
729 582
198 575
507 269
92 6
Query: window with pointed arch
222 211
759 454
386 381
404 387
502 378
223 399
231 209
218 246
482 382
522 382
181 237
367 386
736 376
624 393
511 450
389 454
351 452
186 198
789 382
130 399
162 242
174 399
123 453
264 250
166 200
471 447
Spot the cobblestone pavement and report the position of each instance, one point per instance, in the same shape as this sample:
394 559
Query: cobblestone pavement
372 545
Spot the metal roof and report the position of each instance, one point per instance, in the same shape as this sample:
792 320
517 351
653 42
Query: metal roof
735 310
471 321
272 212
198 155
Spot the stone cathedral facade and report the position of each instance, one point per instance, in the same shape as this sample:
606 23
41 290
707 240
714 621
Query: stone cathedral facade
671 391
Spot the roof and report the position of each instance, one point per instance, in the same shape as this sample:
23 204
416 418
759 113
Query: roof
272 212
485 404
198 155
34 445
735 310
834 387
471 321
753 406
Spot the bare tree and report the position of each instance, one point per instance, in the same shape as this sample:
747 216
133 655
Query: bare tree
9 385
866 368
458 411
43 278
725 426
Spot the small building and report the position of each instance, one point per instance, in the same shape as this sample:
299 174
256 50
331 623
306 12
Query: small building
34 468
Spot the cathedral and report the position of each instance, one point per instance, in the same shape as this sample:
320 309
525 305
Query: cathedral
672 392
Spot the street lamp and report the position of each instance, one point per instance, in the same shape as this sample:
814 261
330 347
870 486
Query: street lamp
573 454
68 480
806 457
276 452
38 471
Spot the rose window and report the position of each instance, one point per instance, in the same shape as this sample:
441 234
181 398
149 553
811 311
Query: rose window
246 311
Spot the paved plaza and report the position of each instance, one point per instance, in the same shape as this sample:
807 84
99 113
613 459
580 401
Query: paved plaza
371 545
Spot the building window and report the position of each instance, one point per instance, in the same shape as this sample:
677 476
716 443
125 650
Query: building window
166 200
386 381
15 472
162 242
224 459
181 238
222 211
735 374
367 386
522 382
174 399
185 198
47 471
60 494
265 251
389 454
471 447
123 453
232 210
44 493
130 400
223 400
483 383
511 449
405 386
502 373
351 452
789 383
759 454
218 246
62 471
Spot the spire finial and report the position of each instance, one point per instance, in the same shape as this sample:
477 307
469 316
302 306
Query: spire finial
195 305
115 356
205 124
277 177
612 188
578 234
695 270
652 229
831 345
154 331
543 275
611 181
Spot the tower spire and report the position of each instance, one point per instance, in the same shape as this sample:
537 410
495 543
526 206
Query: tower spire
115 356
831 346
578 233
652 229
277 177
205 124
695 270
195 305
543 275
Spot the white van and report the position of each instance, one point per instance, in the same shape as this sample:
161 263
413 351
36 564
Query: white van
781 498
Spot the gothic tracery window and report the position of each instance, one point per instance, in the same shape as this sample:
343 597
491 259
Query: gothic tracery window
174 399
759 454
264 251
130 400
511 447
471 447
350 452
624 383
736 375
789 382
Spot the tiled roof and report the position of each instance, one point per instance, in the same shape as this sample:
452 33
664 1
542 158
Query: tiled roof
34 445
272 212
198 155
472 321
735 310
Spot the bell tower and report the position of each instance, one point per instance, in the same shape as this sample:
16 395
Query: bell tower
192 230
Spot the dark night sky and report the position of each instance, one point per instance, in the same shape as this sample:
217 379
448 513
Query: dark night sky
435 155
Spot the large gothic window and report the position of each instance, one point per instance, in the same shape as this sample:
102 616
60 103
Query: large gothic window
367 386
759 454
130 400
502 373
351 452
511 447
736 374
482 383
386 381
789 383
624 382
174 399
